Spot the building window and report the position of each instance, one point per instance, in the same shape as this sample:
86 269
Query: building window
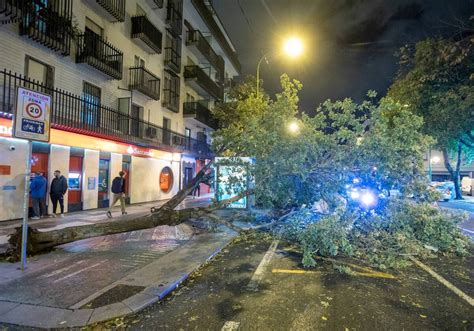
136 114
166 179
171 91
173 52
39 72
91 26
139 62
91 104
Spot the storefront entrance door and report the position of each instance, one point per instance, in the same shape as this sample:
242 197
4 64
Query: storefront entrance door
104 166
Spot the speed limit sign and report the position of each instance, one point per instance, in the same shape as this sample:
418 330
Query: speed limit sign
32 118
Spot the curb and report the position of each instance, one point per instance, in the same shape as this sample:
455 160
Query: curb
49 317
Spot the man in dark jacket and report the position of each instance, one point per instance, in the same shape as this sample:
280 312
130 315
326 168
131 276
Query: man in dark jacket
57 191
38 195
118 190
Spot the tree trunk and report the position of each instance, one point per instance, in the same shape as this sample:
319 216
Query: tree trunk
455 173
166 215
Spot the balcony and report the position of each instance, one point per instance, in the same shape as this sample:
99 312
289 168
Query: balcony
202 83
144 81
174 16
171 91
101 55
146 34
113 10
85 116
173 53
200 112
10 10
48 23
204 52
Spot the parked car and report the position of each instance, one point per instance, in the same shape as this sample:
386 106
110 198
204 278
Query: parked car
467 185
446 189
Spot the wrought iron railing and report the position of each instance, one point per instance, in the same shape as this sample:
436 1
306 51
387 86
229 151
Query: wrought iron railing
173 52
145 82
11 9
174 16
46 22
195 37
86 115
157 3
91 49
142 28
116 8
200 111
196 73
171 90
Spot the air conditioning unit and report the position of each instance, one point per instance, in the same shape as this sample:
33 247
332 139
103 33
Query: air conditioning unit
151 132
177 140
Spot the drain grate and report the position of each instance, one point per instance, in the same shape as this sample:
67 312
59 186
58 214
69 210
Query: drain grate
114 295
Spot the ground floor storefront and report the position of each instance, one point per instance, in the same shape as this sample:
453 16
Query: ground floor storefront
89 164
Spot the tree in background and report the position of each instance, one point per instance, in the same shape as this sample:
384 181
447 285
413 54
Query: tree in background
436 82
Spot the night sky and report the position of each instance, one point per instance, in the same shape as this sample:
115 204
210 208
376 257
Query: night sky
350 45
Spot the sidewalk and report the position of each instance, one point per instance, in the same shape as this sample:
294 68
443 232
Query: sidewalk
101 278
92 217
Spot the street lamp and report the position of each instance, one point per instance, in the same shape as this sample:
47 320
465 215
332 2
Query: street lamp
292 48
293 127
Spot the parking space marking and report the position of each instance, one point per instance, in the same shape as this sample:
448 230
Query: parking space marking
258 274
467 230
294 271
79 271
230 326
443 281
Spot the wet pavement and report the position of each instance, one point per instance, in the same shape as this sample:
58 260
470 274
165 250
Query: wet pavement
463 206
287 297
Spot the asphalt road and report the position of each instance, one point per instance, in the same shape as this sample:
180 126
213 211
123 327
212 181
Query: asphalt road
235 292
466 206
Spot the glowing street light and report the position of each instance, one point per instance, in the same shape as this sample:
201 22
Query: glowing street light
435 159
293 127
292 48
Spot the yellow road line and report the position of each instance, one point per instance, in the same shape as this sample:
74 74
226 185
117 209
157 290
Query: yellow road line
293 271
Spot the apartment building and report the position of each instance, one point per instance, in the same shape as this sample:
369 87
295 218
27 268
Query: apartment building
133 85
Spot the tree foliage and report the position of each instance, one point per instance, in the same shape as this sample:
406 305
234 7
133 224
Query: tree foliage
379 142
436 82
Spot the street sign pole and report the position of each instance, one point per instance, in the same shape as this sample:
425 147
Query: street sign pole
32 121
24 233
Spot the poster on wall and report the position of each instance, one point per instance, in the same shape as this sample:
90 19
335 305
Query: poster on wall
32 117
91 183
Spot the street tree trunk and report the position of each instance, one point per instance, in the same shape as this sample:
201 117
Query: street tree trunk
455 172
39 241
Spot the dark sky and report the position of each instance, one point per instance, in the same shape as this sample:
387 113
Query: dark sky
350 45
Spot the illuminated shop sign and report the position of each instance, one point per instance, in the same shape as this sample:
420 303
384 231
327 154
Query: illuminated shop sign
138 151
5 127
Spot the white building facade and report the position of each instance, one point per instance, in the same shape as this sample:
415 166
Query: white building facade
133 84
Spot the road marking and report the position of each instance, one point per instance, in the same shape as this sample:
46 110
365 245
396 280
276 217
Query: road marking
79 271
56 272
443 281
467 230
293 271
230 326
365 272
258 275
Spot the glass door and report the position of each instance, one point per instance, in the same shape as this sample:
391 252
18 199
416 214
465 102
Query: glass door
103 186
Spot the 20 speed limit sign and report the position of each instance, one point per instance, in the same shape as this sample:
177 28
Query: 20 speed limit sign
32 117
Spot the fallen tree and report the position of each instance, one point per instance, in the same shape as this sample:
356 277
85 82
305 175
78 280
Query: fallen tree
40 241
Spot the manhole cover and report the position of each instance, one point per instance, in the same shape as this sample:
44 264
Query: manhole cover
114 295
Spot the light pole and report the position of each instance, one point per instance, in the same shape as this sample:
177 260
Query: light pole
293 48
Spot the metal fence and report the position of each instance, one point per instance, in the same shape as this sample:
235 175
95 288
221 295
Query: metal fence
84 114
144 81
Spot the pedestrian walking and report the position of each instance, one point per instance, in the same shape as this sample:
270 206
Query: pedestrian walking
57 191
197 191
118 191
38 195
